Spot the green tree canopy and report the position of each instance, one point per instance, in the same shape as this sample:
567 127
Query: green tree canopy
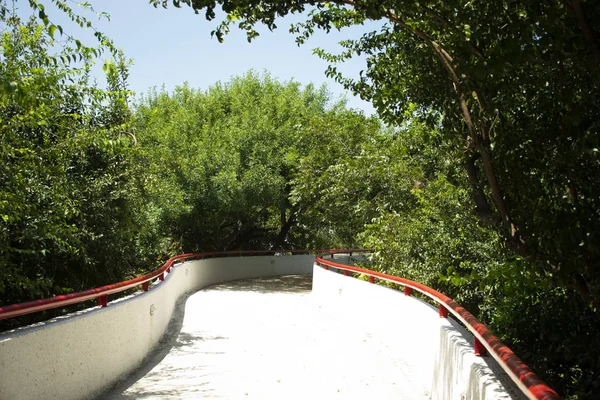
516 81
68 192
227 162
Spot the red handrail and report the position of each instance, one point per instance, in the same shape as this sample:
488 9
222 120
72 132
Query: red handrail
521 374
101 293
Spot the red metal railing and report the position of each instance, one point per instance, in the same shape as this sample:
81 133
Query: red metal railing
102 293
484 340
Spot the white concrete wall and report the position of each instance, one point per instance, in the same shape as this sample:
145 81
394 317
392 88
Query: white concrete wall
77 356
439 348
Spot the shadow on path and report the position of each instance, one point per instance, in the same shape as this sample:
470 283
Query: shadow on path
156 355
276 284
174 339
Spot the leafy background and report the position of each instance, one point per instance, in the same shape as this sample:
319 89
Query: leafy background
479 177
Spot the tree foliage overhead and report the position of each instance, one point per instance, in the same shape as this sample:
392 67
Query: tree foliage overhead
93 192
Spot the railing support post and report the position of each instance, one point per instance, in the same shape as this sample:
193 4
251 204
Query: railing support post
345 272
407 290
103 300
372 279
479 348
145 286
443 311
162 276
326 266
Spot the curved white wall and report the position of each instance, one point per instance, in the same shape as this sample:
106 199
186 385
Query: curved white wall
439 348
80 355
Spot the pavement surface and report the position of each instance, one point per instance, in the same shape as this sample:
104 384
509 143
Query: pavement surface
270 339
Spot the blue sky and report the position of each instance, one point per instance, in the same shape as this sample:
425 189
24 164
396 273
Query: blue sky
174 45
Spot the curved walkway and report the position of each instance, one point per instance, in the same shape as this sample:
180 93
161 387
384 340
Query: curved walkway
269 339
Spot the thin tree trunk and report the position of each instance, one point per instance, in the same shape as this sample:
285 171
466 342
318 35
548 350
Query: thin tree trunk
285 229
482 206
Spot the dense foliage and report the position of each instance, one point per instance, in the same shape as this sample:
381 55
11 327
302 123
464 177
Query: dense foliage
67 188
516 81
95 188
226 164
484 182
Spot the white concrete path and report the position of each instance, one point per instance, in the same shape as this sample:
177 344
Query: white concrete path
270 339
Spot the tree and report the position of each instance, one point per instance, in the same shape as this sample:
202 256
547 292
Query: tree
68 190
227 164
517 81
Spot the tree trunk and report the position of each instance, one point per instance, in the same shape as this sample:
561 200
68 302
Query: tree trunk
482 206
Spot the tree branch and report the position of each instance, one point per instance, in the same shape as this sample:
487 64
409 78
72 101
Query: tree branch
482 206
285 229
517 242
576 8
476 50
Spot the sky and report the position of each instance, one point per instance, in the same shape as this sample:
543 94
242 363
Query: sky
172 46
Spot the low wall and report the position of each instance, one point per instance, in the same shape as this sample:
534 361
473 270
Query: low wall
80 355
438 348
